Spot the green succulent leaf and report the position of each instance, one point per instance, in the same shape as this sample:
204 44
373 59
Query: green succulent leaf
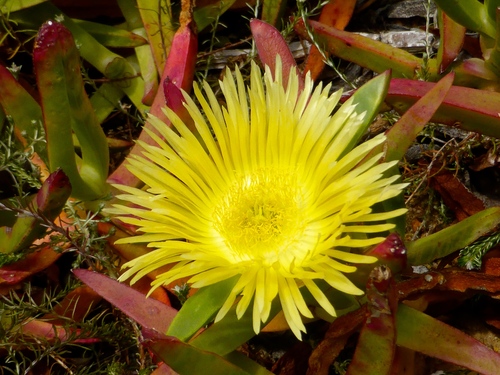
471 14
367 99
186 359
111 36
491 7
200 309
453 238
112 65
204 16
228 334
8 6
242 361
272 11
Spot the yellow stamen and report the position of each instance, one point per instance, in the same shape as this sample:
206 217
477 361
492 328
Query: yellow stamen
262 215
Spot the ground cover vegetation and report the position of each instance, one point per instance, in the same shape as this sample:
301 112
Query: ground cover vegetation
249 188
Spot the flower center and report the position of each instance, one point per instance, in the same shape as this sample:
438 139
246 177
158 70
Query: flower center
262 215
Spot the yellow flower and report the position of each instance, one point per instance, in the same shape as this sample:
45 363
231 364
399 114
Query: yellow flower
266 190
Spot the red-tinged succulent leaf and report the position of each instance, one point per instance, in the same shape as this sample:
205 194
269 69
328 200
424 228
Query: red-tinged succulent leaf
454 194
180 64
112 65
12 277
173 95
402 135
391 252
53 194
148 312
474 69
186 359
425 334
179 71
453 238
44 330
21 106
475 73
67 110
270 43
159 27
163 369
404 362
48 202
337 14
334 341
470 109
376 344
362 50
174 99
452 39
